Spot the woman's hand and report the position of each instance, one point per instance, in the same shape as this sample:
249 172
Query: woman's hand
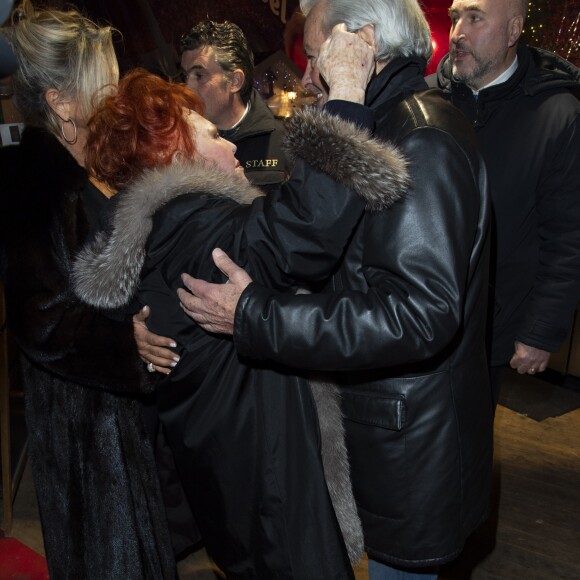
153 349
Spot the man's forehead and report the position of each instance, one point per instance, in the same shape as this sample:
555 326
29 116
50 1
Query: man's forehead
464 5
313 34
481 5
492 8
202 57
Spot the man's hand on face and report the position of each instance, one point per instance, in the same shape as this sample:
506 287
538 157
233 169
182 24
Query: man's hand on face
347 61
213 306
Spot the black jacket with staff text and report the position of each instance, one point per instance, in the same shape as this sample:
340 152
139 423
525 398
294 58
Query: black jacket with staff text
258 139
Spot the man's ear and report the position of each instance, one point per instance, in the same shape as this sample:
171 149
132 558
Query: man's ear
516 25
59 105
367 33
237 80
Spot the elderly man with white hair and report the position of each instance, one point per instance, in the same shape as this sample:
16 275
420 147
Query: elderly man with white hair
401 324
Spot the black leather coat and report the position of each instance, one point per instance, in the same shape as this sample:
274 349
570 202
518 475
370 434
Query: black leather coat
405 315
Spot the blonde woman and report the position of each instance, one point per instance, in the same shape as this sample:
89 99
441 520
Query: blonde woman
93 468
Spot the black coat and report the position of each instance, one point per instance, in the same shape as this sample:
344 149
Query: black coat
93 467
529 131
246 437
406 315
259 139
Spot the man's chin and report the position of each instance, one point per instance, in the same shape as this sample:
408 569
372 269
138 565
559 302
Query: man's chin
459 73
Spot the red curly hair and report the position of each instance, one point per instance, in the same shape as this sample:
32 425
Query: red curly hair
139 127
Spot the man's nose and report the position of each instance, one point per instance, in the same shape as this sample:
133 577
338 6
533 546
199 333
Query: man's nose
306 77
457 33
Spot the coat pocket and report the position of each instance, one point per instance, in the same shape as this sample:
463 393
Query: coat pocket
376 441
373 409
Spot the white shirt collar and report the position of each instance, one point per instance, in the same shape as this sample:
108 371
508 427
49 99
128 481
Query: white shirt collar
236 125
502 78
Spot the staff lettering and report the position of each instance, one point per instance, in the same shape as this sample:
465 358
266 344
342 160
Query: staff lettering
251 163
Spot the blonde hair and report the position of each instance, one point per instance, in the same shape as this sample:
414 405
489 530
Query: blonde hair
59 50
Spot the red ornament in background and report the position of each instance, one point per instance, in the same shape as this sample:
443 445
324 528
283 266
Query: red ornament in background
437 13
293 39
296 53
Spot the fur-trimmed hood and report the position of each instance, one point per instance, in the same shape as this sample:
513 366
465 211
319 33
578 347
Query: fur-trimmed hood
106 272
376 171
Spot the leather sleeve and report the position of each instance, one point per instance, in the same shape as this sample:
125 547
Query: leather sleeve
299 233
405 302
304 228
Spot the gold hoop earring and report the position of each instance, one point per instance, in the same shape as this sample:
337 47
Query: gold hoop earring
74 139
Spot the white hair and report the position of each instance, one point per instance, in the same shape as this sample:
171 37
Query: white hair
401 28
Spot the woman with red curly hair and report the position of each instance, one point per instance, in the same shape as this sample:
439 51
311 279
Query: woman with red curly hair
258 448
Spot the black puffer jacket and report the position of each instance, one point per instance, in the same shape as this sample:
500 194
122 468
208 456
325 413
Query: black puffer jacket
100 506
529 131
246 436
406 314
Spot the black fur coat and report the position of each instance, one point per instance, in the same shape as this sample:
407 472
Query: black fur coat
93 468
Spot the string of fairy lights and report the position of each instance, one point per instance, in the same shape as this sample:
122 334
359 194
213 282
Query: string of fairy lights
555 26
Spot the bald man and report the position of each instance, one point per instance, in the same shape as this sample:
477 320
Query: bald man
523 103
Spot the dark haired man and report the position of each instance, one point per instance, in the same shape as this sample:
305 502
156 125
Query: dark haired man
218 64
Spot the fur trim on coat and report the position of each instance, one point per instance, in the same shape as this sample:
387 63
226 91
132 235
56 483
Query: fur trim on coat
374 169
107 271
337 467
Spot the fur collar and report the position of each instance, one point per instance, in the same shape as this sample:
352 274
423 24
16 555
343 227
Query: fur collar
107 270
374 170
